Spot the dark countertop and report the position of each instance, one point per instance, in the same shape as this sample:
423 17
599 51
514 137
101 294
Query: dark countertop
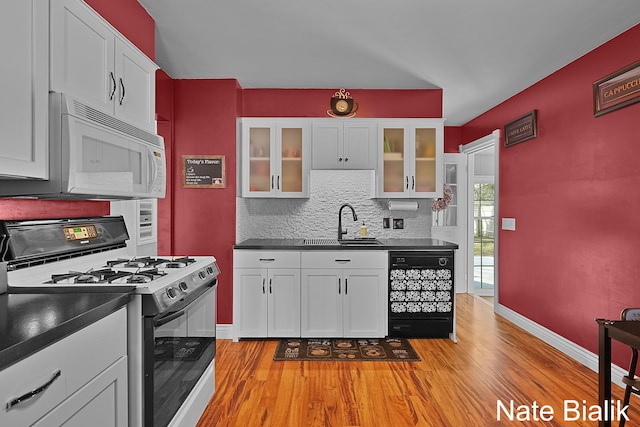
387 245
30 322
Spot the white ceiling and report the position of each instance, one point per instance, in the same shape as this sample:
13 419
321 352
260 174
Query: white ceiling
480 52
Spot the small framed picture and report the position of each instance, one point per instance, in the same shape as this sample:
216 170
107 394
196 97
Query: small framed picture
521 129
617 90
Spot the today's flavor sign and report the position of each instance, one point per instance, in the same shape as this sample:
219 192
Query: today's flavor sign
203 171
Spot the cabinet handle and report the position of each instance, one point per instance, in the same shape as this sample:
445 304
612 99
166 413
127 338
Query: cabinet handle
406 178
278 182
346 286
413 182
113 86
263 281
338 286
272 182
267 259
33 393
122 90
270 290
342 260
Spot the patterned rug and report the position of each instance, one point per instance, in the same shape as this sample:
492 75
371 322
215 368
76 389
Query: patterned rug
384 349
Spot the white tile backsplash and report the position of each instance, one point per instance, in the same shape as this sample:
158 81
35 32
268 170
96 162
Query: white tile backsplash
317 217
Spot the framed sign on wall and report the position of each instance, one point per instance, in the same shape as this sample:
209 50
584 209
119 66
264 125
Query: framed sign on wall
521 129
617 90
202 171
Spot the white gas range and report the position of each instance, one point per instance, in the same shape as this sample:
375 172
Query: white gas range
171 326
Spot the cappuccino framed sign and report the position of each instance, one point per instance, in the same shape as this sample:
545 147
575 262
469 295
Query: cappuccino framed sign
521 129
617 90
203 172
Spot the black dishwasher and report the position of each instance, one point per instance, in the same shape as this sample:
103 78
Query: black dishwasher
421 294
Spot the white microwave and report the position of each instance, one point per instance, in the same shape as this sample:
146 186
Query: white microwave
95 156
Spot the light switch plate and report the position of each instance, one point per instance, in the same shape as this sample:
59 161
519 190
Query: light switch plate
509 224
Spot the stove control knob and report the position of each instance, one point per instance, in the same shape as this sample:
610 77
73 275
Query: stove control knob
202 275
210 270
183 286
171 293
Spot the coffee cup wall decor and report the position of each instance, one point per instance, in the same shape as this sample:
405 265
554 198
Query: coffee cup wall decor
342 105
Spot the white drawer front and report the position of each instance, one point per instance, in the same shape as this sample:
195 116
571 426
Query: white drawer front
345 259
79 357
265 258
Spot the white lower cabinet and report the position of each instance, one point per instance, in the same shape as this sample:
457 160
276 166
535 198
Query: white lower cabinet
344 294
266 294
82 380
101 402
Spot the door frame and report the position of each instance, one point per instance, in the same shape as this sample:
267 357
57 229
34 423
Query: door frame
493 139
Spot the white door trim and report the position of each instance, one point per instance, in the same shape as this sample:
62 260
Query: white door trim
493 139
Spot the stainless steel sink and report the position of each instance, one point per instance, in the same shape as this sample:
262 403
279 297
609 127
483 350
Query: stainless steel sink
359 242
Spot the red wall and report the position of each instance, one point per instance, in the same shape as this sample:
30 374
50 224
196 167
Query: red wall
204 220
130 18
574 193
315 102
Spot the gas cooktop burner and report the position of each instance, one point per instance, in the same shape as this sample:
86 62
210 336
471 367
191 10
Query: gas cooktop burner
107 275
151 262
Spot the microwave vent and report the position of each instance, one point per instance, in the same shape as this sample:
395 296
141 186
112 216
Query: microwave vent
84 111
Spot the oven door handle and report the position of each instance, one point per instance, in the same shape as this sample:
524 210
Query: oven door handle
168 318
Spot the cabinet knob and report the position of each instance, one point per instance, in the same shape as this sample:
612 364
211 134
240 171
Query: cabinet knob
346 159
339 159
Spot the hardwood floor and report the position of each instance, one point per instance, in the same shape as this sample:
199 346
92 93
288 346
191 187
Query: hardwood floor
454 384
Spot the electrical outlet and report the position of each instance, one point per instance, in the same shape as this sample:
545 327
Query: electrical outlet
398 223
385 223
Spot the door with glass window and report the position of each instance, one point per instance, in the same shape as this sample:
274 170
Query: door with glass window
483 236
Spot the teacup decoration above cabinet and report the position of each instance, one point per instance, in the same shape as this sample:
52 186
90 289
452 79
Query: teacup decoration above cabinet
342 105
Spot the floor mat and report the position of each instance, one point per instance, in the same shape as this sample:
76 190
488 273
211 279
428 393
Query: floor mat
384 349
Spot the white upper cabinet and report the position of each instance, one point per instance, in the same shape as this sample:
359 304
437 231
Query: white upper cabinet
275 158
91 61
410 158
24 45
344 144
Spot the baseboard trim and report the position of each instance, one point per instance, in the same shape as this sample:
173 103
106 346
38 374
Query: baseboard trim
571 349
224 331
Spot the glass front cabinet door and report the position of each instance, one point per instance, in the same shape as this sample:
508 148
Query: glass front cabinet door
410 164
275 158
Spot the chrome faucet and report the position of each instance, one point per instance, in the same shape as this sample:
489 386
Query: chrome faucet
342 232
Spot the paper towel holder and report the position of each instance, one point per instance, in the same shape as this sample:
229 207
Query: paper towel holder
403 205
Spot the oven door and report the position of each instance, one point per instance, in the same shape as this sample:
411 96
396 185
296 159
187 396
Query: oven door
179 354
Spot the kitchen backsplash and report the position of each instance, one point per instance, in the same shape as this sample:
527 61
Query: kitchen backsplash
317 217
